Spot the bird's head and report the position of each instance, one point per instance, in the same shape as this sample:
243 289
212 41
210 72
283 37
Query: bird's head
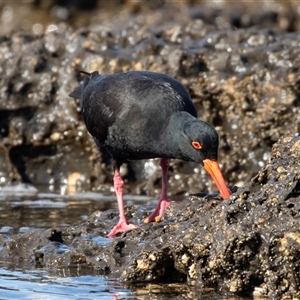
204 144
202 140
199 142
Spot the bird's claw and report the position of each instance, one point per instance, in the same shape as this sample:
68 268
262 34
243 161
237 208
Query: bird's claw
121 227
156 219
158 213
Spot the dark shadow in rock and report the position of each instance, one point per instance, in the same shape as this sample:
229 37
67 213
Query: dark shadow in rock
19 154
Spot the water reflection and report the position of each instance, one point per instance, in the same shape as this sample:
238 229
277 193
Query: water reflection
39 284
24 207
42 284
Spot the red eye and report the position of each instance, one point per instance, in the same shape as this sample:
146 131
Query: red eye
197 145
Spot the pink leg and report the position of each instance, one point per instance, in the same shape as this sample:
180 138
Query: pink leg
163 201
123 223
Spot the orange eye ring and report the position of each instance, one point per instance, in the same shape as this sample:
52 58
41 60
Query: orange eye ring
197 145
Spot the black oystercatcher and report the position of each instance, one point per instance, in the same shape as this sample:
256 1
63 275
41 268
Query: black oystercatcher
141 115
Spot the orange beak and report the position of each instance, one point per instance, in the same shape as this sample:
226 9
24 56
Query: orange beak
212 167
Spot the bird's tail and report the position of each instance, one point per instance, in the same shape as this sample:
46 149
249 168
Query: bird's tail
76 93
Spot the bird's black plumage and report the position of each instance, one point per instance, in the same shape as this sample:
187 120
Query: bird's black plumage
139 115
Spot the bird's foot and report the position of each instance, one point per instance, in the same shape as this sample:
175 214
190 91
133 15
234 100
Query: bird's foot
158 213
121 227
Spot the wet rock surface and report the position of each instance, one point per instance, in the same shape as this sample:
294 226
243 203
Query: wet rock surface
247 245
241 67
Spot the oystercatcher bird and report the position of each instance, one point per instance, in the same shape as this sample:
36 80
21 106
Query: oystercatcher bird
140 115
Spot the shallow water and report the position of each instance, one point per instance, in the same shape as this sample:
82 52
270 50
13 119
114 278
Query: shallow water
24 207
41 284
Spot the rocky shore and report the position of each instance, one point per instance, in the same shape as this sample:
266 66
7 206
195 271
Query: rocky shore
241 67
